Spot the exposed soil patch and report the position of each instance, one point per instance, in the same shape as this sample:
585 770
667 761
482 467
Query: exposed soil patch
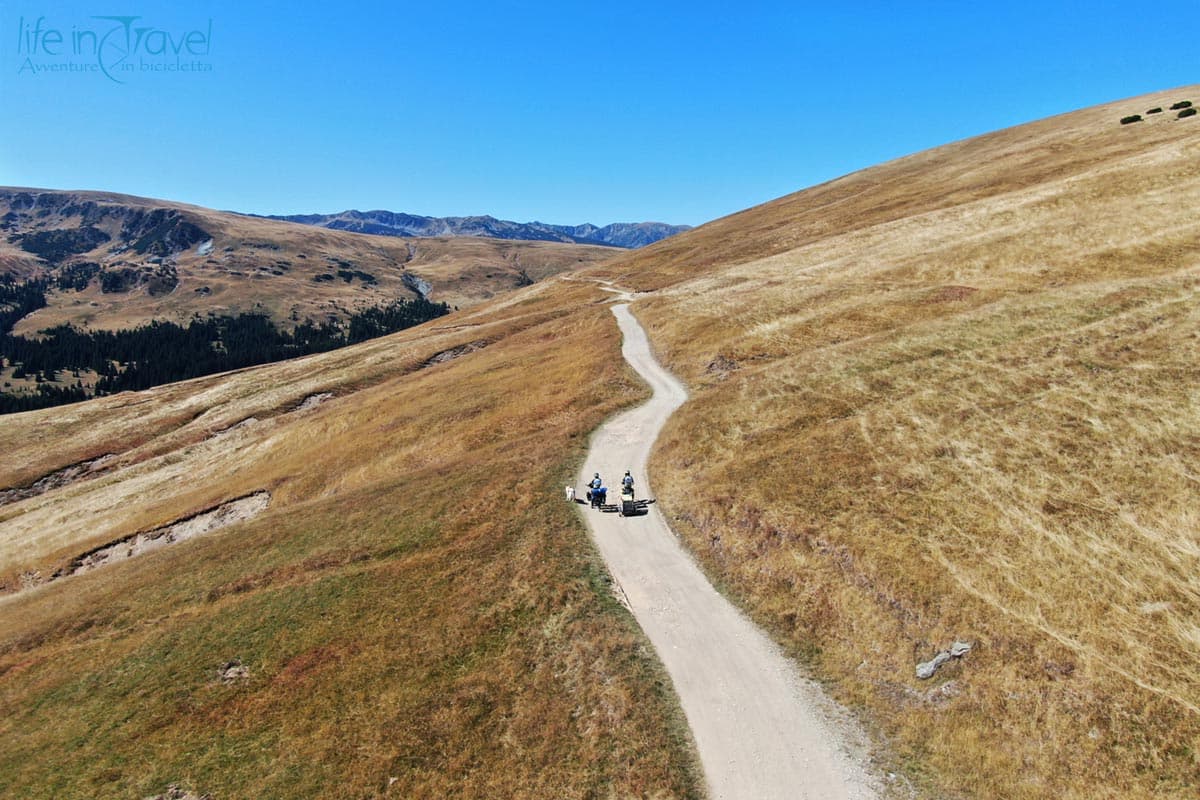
234 511
314 400
246 423
308 403
54 480
455 352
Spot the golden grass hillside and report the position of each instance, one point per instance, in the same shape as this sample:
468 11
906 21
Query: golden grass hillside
288 271
950 397
418 612
955 397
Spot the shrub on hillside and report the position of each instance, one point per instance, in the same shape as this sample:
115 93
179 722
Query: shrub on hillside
117 281
77 276
1187 112
1155 110
349 275
1131 118
1182 104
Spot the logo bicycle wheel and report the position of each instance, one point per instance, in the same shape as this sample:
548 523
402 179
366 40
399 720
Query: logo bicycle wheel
115 50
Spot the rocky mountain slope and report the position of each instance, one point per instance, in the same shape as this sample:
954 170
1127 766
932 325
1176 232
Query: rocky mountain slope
390 223
118 261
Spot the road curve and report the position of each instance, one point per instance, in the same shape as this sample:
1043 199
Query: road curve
761 730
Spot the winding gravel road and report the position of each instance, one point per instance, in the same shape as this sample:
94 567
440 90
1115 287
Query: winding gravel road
762 731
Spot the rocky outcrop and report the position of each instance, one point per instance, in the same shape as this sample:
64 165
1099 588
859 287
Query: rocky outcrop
56 245
58 225
418 285
161 232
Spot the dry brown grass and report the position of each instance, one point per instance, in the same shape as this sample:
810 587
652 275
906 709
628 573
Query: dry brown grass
418 602
962 404
949 397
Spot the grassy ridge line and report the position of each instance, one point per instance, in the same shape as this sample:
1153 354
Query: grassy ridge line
988 166
434 615
972 422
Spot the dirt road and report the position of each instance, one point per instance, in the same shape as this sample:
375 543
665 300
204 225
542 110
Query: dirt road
762 731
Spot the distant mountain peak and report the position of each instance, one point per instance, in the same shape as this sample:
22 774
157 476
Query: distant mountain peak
380 222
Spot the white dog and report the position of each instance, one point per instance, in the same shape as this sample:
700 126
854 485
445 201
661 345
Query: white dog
571 494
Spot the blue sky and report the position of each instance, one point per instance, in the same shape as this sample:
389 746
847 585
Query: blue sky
561 112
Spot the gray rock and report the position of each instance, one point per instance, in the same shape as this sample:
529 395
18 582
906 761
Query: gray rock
926 669
418 285
233 671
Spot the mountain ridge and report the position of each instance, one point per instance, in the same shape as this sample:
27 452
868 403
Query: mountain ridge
380 222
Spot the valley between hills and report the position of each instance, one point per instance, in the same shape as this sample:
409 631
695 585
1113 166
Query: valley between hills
84 276
948 399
